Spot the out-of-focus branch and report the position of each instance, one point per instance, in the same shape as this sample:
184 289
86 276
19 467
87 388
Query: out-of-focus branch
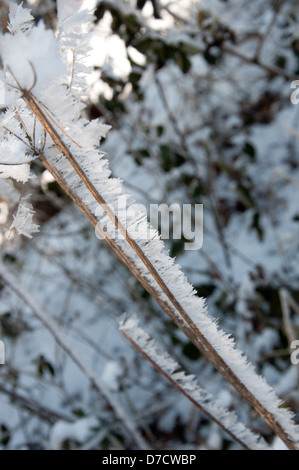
286 314
286 302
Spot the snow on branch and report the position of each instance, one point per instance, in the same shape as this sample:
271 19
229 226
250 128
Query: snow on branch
61 339
188 385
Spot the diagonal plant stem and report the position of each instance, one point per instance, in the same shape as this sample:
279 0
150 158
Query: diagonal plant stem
206 346
50 324
287 302
226 420
125 258
285 307
271 69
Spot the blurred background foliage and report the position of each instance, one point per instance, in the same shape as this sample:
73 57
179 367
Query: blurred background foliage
198 97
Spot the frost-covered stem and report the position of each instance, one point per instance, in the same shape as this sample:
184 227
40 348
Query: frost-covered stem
181 389
218 361
154 265
286 302
291 131
50 324
272 69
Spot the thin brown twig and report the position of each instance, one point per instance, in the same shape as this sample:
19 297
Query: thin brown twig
153 292
272 69
183 391
50 324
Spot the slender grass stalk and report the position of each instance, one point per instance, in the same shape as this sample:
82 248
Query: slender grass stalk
206 347
35 407
49 323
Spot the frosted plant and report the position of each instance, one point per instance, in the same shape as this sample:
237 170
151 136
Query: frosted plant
61 339
188 385
23 222
45 77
